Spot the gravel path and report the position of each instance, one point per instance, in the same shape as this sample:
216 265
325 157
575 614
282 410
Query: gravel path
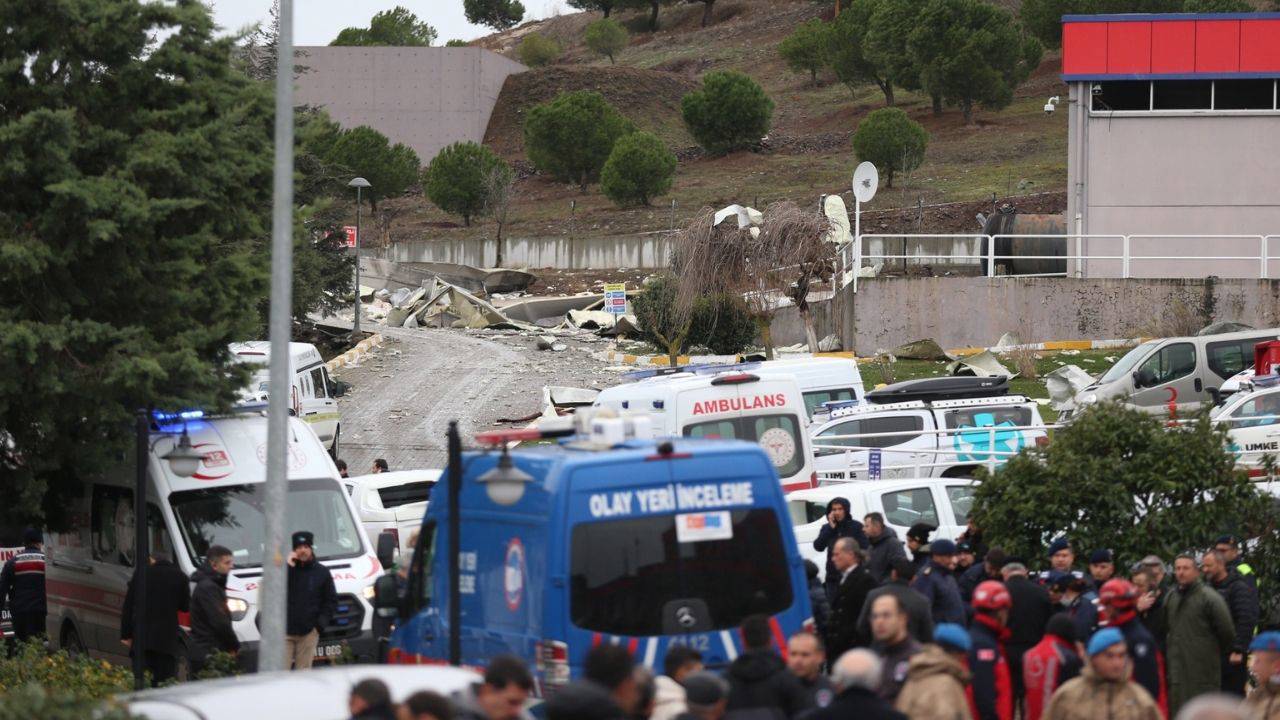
405 394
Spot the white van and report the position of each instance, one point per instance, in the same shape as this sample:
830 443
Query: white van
821 379
942 502
742 405
314 395
90 564
392 502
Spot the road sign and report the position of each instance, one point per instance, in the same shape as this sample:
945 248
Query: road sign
350 231
873 465
615 298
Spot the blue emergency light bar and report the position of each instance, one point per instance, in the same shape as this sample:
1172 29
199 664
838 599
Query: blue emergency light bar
693 368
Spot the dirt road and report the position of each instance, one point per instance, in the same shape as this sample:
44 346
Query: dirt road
404 396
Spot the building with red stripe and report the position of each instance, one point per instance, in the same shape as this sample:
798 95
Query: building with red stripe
1174 129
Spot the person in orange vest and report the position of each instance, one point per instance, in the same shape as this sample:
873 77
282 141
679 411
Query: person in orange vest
1118 604
1050 664
992 686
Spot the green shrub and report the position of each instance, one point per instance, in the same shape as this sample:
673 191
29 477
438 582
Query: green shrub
219 665
539 50
457 43
457 179
722 324
805 50
37 685
661 323
730 112
606 37
639 168
890 140
572 136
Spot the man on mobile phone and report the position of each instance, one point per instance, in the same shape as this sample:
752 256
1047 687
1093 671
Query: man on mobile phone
840 524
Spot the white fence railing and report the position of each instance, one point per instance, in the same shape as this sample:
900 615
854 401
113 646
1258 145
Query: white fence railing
1110 256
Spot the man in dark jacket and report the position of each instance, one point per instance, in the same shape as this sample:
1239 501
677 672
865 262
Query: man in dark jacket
607 689
919 614
988 569
817 598
885 548
839 525
855 583
22 588
312 601
936 583
1242 601
1117 603
1027 621
760 685
918 543
1198 633
1229 546
856 676
211 629
893 643
168 593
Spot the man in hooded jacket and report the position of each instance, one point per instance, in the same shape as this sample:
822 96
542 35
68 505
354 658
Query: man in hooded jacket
839 525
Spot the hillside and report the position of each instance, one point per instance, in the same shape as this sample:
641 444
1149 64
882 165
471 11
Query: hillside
1017 151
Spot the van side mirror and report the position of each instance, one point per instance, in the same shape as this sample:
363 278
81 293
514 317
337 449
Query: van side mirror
387 546
340 388
386 596
1144 378
1216 394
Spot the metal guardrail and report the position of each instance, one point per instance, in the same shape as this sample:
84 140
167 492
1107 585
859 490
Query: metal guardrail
852 256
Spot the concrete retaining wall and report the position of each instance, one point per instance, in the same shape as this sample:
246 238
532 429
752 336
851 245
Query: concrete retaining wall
976 311
647 251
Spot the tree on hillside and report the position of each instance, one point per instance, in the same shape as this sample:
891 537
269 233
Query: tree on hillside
322 267
1216 6
365 152
650 5
539 50
1119 478
499 192
144 159
885 45
604 6
396 27
730 112
606 37
1043 18
890 140
972 52
708 8
571 137
456 42
639 169
848 52
805 49
497 14
457 179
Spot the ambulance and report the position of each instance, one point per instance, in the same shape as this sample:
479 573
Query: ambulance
313 395
90 564
765 409
641 543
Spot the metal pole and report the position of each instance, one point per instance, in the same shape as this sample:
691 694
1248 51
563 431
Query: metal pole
356 325
272 595
141 553
857 239
455 539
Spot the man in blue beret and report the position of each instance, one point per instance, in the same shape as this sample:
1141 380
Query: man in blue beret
1264 702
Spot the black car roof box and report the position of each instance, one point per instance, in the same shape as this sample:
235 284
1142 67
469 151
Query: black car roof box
941 388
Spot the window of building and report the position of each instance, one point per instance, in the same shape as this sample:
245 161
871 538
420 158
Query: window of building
1121 95
1244 95
1182 95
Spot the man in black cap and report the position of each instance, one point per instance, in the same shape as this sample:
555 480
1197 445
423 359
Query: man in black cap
1062 560
965 557
22 588
839 525
936 583
1102 566
312 600
918 543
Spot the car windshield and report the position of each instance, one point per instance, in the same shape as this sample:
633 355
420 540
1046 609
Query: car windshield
1125 365
630 577
232 517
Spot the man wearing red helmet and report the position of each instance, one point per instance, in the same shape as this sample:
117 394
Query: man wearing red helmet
992 686
1118 600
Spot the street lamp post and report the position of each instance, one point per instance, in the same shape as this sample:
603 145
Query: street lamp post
183 461
359 184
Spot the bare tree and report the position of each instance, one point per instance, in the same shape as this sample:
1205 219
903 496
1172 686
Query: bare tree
383 219
499 191
261 49
765 264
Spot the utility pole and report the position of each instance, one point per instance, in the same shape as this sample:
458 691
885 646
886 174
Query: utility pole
272 595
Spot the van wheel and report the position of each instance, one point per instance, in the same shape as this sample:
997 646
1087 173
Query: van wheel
965 471
71 642
333 449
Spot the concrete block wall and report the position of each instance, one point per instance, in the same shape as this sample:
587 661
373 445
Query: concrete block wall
647 251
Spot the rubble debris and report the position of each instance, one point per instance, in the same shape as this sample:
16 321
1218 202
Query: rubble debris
927 349
830 343
984 364
1063 384
1219 328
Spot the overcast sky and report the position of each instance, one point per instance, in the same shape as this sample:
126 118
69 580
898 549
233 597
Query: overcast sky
317 22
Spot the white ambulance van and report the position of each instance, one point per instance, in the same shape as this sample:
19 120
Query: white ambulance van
91 563
314 395
768 410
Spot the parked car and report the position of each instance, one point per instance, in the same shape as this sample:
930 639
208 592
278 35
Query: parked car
393 502
935 427
1179 373
942 502
317 694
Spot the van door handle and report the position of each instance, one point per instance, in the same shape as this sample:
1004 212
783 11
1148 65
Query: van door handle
1199 385
85 568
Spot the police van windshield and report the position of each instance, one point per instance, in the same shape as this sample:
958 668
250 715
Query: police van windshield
232 516
778 435
628 577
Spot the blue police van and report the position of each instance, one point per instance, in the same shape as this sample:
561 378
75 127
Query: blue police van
642 543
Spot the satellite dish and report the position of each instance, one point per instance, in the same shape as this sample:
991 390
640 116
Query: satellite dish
865 182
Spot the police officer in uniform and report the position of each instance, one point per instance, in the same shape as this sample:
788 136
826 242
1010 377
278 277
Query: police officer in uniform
22 588
1062 559
938 585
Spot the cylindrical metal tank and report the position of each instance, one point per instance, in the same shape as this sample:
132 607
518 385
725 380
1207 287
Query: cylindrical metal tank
1008 221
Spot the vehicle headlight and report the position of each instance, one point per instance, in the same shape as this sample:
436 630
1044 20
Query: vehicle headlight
238 607
369 593
1088 398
